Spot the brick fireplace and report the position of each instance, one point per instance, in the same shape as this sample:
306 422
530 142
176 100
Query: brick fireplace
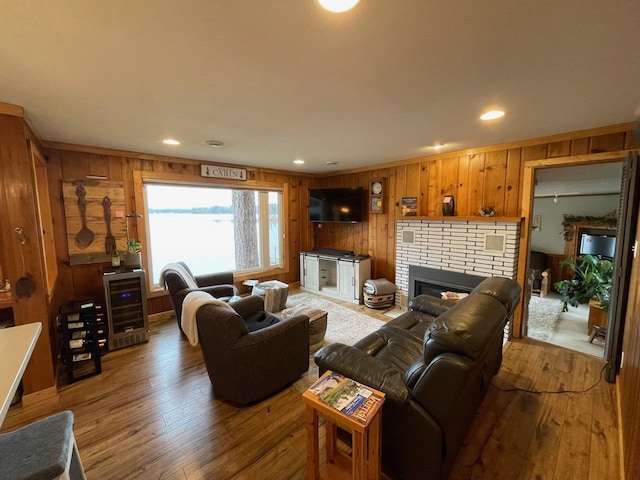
455 254
476 247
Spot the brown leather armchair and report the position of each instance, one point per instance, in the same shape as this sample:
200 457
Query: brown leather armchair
180 281
245 366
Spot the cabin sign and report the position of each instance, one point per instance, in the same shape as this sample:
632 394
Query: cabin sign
215 171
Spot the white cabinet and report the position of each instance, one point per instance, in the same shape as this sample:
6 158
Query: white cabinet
347 279
339 276
310 272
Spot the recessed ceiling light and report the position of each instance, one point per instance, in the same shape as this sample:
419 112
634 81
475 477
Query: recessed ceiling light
170 141
338 6
438 146
492 115
214 143
298 162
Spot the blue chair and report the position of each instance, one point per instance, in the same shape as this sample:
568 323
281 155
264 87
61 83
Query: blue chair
43 450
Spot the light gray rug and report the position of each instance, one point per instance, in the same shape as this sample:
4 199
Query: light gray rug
543 317
571 332
343 326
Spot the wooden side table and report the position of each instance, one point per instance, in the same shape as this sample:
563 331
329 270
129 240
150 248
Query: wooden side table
597 316
365 458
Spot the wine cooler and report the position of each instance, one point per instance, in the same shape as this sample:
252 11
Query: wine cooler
126 301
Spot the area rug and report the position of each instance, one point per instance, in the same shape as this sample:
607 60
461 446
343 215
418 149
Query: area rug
543 317
571 332
343 326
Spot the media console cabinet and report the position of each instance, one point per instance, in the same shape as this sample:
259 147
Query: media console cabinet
336 275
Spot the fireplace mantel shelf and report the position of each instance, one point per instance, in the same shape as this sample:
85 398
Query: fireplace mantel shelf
465 219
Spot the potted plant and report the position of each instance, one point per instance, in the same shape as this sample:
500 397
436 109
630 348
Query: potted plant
133 257
592 280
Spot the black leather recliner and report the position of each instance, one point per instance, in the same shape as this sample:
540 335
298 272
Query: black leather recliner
245 366
219 285
434 363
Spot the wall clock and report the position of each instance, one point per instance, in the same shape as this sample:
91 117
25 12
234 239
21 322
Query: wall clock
376 192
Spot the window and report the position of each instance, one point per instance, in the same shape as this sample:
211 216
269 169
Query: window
213 228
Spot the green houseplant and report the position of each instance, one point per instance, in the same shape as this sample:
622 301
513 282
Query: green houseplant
134 246
133 257
592 279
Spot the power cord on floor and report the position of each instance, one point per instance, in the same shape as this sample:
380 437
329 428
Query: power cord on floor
526 390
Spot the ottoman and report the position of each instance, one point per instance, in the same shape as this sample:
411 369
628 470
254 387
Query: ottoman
378 293
274 292
317 323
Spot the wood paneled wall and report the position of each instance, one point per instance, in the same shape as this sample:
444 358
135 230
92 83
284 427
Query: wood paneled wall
629 379
482 177
25 259
85 281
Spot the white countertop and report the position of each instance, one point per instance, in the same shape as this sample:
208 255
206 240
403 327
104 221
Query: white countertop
16 346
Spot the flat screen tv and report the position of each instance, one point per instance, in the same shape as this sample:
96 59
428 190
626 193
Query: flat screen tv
336 204
603 246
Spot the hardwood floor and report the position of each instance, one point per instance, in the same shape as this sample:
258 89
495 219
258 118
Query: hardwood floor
152 414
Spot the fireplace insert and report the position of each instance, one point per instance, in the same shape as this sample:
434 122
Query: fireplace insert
432 281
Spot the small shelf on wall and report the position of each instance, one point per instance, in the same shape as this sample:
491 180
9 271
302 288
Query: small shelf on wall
464 219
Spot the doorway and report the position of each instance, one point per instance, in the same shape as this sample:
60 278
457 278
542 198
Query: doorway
569 202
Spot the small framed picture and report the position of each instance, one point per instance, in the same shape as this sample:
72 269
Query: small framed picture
409 206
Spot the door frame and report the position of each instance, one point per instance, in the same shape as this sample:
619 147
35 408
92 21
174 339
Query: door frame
529 168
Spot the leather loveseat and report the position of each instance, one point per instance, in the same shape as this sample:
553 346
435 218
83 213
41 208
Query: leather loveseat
434 363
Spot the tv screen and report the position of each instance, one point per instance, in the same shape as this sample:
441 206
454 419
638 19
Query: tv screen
335 204
598 245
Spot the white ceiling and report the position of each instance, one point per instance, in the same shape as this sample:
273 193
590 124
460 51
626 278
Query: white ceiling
579 180
279 80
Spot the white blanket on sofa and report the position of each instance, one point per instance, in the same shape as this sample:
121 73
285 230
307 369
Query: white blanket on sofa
192 302
179 270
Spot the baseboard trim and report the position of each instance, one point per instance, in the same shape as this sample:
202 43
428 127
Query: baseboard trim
46 394
156 317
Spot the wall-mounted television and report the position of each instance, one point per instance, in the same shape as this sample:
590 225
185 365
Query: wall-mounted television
336 204
602 246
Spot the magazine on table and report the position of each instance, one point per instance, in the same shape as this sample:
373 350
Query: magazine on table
347 396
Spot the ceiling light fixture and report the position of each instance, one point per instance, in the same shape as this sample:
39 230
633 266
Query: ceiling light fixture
298 162
492 115
338 6
438 146
331 163
214 143
170 141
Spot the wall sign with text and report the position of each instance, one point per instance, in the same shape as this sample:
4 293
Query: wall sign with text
214 171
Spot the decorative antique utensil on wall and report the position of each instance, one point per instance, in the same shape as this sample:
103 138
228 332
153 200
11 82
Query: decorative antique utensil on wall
84 237
109 239
94 206
25 286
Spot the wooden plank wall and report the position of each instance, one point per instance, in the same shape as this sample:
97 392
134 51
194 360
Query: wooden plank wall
629 379
488 177
85 281
18 209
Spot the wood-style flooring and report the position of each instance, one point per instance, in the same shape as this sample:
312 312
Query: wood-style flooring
151 414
